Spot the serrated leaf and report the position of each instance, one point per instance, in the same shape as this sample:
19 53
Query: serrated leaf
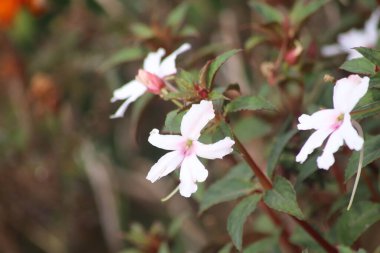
283 198
351 224
123 56
235 184
303 9
253 41
142 31
373 55
359 66
177 16
252 103
238 216
371 153
212 67
268 13
278 147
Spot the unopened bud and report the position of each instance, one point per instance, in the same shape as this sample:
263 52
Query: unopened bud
151 81
292 56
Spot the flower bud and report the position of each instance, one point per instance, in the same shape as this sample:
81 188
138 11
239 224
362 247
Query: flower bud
292 56
151 81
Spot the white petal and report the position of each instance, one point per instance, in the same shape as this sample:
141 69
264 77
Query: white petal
165 165
371 28
352 38
315 140
167 142
348 92
152 61
192 171
196 119
167 66
215 150
131 89
334 142
350 135
318 120
332 50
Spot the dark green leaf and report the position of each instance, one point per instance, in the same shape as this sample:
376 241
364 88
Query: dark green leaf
266 245
307 168
303 9
268 13
351 224
371 153
257 128
373 55
212 67
374 81
249 103
235 184
123 56
278 147
359 66
177 16
238 216
283 198
173 121
344 249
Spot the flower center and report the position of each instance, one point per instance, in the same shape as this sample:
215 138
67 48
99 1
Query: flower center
188 147
339 121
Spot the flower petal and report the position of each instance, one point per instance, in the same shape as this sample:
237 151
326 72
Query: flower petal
348 92
318 120
167 66
327 158
370 27
166 164
130 91
215 150
192 171
196 119
167 142
350 135
152 61
315 140
332 50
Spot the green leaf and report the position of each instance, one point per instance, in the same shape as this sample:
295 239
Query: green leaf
226 249
344 249
307 168
262 246
371 153
268 13
188 31
142 31
238 216
212 67
173 121
257 128
374 81
351 224
359 66
368 105
253 41
122 56
303 9
249 103
177 16
373 55
278 147
283 198
235 184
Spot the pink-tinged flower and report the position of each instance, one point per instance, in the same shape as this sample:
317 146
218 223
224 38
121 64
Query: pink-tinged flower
334 122
186 148
150 78
366 37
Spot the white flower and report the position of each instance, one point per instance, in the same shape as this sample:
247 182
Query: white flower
185 148
150 78
334 122
355 38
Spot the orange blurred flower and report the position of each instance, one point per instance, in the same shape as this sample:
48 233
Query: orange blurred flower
10 8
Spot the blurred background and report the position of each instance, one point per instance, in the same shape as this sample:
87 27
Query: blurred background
72 179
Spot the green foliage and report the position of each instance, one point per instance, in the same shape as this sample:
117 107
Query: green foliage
268 13
302 9
257 128
235 184
278 147
142 31
211 68
373 55
307 168
283 198
251 103
351 224
177 16
253 41
173 121
344 249
238 216
359 66
267 245
226 249
371 153
122 56
368 106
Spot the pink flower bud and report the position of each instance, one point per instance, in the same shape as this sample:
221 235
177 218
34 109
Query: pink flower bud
151 81
292 56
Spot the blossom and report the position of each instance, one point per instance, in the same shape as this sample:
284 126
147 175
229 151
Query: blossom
186 148
335 122
366 37
148 79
